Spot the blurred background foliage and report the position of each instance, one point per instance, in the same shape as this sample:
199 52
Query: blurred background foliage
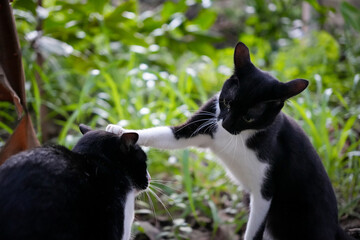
153 62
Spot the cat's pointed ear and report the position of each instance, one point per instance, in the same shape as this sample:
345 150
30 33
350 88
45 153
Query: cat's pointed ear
293 88
84 129
129 139
241 56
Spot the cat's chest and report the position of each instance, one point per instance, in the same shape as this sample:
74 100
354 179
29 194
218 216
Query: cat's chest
128 214
241 162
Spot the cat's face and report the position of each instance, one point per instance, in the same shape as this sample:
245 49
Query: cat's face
121 151
251 98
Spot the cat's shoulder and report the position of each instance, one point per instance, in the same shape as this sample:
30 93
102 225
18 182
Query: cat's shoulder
49 156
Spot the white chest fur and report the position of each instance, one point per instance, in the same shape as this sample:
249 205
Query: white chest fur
128 215
241 163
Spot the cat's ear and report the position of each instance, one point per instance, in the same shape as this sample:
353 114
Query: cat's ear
241 56
84 129
129 139
293 88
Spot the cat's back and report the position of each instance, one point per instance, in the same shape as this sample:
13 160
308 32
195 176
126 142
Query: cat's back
40 156
34 185
301 187
34 167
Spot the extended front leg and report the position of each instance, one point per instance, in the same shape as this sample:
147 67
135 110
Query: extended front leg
163 137
198 131
259 208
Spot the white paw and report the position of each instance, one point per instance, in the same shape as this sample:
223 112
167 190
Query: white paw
115 129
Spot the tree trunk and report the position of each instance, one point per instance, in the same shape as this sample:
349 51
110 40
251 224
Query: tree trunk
12 84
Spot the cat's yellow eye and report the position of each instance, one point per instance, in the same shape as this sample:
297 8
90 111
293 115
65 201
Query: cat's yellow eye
248 119
226 104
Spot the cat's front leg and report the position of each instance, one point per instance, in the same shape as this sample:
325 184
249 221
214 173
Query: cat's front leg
259 208
198 131
163 137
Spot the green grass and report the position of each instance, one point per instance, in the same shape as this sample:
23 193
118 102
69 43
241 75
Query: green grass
194 190
103 81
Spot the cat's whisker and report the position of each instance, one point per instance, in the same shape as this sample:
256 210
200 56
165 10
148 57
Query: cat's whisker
204 112
210 127
151 204
161 202
200 127
159 183
161 191
190 123
235 146
243 144
205 124
214 126
162 181
227 145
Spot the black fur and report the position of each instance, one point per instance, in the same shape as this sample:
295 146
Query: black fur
199 122
303 203
54 193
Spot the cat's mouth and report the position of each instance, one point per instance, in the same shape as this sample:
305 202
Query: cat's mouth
143 187
228 129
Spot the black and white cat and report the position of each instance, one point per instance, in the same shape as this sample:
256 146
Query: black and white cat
83 194
264 150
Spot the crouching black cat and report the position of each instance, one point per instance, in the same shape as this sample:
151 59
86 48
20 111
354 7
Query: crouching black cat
87 193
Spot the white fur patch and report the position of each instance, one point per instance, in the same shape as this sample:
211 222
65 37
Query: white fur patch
128 215
240 162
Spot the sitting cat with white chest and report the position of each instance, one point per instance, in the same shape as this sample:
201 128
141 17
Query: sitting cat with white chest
264 150
52 193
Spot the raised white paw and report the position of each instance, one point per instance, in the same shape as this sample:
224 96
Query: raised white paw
115 129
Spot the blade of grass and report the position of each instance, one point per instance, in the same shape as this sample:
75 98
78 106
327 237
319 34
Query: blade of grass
215 218
114 94
188 181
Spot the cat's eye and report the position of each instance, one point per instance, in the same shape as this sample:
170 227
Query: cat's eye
226 104
248 119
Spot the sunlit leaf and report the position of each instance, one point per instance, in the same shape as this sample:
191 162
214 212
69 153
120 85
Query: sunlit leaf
351 15
29 5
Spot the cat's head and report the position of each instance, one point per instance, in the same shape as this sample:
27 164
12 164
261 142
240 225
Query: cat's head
122 152
252 98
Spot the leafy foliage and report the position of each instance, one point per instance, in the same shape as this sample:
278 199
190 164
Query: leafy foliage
112 63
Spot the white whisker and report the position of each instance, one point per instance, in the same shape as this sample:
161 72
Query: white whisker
190 123
227 145
161 202
151 203
205 124
158 183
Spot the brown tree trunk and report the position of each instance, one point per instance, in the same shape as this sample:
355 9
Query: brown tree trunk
12 84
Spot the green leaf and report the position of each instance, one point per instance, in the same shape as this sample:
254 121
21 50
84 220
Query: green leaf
29 5
321 9
345 133
116 16
205 19
169 8
351 15
97 5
